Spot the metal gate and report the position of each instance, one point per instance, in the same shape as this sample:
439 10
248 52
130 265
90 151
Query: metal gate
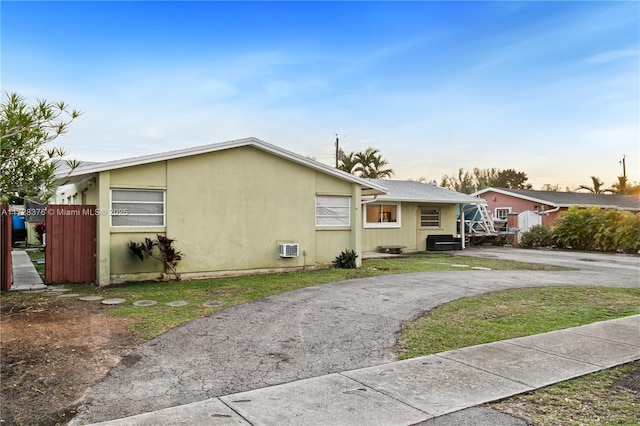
5 248
70 245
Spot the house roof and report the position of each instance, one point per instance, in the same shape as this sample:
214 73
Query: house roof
568 199
411 191
86 170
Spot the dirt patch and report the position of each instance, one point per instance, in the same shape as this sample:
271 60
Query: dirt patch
52 350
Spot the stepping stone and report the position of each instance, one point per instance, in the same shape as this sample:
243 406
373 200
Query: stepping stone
178 303
59 289
212 303
34 291
52 293
459 266
481 268
70 295
116 301
145 303
90 298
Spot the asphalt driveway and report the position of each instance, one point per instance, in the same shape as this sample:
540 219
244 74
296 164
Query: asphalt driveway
316 331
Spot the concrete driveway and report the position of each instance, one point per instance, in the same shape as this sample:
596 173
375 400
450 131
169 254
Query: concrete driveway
316 331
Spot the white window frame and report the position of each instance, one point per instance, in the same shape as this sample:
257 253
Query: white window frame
498 209
439 210
115 211
332 206
396 224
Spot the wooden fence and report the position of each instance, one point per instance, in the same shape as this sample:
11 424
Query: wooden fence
5 248
70 246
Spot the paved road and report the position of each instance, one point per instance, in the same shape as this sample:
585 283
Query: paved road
316 331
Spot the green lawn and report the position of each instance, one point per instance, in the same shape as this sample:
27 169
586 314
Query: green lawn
470 321
595 399
513 313
148 322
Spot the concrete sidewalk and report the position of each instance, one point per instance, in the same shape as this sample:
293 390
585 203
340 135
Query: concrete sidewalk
25 275
413 391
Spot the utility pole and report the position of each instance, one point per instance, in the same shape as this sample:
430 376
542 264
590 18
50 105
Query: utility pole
337 149
624 167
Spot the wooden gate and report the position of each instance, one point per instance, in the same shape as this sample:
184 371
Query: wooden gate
70 244
5 248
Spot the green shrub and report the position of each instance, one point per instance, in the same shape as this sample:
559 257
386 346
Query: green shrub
537 236
169 256
576 228
346 260
597 229
625 233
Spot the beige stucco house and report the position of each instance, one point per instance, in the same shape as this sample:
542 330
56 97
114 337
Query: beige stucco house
408 213
243 205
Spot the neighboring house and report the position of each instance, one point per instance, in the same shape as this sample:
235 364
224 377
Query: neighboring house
409 212
34 213
230 207
546 205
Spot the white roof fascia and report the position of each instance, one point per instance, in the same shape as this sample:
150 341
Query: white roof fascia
523 197
82 172
434 200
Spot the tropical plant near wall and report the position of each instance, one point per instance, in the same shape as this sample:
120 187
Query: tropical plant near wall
168 255
626 232
576 228
40 228
598 229
346 260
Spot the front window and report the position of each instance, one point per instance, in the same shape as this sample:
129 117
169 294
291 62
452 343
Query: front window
137 207
429 218
382 216
503 213
333 211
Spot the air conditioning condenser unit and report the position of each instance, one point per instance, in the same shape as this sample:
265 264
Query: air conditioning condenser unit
289 249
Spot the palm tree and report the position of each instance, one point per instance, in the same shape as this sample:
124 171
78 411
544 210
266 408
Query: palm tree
367 164
348 163
371 164
377 170
597 187
621 187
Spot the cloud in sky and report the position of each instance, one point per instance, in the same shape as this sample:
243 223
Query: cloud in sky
548 88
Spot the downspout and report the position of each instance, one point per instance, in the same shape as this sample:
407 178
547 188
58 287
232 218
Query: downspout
375 197
553 210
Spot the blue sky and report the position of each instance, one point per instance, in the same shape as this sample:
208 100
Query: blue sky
551 89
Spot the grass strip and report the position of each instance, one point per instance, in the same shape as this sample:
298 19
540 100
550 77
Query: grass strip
609 397
513 313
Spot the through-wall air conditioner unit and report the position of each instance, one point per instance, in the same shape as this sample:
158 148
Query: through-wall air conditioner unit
288 249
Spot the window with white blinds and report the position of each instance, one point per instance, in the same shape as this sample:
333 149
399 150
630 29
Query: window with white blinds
333 211
134 207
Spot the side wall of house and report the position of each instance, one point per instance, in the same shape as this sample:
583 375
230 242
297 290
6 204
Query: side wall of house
497 201
227 211
410 233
